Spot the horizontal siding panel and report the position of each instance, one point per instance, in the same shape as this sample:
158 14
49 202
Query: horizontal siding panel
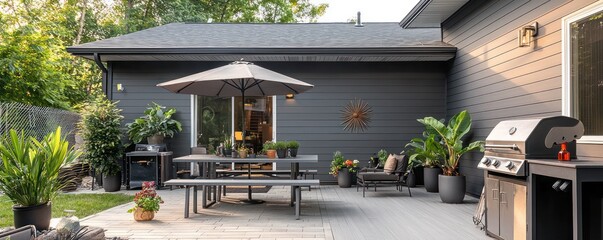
496 80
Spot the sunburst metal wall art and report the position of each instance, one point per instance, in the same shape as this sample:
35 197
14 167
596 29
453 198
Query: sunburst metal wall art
356 116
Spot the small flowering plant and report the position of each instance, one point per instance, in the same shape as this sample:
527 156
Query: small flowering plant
339 162
147 198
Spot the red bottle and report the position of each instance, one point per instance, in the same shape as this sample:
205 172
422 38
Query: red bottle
563 154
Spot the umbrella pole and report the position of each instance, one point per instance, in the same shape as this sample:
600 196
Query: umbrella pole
249 200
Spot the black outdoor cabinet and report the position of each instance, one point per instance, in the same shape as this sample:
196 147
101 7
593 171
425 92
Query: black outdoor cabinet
142 166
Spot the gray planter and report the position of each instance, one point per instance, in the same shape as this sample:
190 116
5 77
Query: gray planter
155 139
38 216
281 153
452 188
344 178
112 183
411 180
430 178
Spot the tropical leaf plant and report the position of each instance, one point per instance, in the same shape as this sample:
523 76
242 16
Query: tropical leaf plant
428 151
451 136
157 120
29 174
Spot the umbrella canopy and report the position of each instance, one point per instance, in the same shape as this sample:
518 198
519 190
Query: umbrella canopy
239 78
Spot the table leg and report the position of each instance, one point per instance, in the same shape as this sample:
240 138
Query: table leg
294 173
187 194
204 197
297 202
250 200
195 199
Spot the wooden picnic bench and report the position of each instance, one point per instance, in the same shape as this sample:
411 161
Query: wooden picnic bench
296 184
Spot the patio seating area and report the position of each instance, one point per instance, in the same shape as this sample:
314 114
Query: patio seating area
328 212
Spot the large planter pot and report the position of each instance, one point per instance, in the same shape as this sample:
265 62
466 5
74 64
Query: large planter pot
430 178
155 139
411 180
293 152
38 216
452 188
344 178
143 215
418 171
271 153
112 183
282 153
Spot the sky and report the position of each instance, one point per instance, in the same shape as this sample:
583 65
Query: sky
372 10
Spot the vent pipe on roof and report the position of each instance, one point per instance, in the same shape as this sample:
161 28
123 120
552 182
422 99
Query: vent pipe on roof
358 20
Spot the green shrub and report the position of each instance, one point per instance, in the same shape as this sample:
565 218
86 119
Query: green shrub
279 145
101 130
293 144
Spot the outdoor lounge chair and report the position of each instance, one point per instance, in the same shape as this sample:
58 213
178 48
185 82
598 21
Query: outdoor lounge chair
367 176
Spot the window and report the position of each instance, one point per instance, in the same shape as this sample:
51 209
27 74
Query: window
583 69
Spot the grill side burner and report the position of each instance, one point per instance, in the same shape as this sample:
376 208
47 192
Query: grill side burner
506 169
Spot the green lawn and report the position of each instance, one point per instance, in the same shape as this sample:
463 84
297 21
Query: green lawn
84 204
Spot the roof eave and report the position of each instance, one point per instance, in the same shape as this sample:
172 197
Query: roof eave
414 13
280 51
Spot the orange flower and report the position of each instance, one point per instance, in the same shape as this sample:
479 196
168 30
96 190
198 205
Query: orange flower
349 163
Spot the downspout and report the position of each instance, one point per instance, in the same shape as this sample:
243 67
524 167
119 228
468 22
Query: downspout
106 83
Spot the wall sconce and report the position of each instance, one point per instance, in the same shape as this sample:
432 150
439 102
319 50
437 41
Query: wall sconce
120 87
527 34
290 96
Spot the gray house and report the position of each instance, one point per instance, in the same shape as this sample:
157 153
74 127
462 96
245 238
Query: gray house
445 56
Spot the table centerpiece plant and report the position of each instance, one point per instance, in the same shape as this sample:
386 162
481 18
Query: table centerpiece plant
269 149
293 146
281 149
146 202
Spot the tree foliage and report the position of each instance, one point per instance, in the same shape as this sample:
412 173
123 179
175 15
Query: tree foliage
35 68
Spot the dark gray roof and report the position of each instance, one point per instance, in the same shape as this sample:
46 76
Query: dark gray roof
302 39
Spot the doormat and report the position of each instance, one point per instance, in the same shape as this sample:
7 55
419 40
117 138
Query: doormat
243 189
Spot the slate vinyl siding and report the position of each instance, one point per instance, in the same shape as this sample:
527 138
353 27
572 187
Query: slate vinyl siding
399 93
496 80
139 80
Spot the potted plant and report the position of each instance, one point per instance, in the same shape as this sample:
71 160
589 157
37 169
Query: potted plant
428 152
281 149
29 174
156 124
227 146
293 146
243 152
146 202
411 179
269 149
343 169
382 154
100 127
452 183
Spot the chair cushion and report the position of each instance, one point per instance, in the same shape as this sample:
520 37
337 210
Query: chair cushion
402 164
377 176
390 164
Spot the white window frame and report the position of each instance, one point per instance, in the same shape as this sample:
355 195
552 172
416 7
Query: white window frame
566 63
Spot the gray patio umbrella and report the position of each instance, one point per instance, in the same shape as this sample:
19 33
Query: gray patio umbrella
239 78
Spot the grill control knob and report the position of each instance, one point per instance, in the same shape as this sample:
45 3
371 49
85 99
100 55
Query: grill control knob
495 162
485 161
509 165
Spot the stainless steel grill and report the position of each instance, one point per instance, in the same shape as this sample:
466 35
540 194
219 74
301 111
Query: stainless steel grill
512 142
508 147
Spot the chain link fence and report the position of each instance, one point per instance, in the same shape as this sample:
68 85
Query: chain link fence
37 121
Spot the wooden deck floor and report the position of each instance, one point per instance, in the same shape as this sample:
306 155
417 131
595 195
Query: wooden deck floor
328 212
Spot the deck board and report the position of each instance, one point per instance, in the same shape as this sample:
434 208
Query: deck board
328 212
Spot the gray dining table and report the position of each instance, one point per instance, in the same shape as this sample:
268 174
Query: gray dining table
209 170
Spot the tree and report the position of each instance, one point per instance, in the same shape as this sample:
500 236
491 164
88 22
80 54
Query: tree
36 69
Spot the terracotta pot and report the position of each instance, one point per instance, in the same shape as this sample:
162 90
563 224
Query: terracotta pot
143 215
243 154
271 153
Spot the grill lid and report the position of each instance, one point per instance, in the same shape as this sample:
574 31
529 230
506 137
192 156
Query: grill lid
534 138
